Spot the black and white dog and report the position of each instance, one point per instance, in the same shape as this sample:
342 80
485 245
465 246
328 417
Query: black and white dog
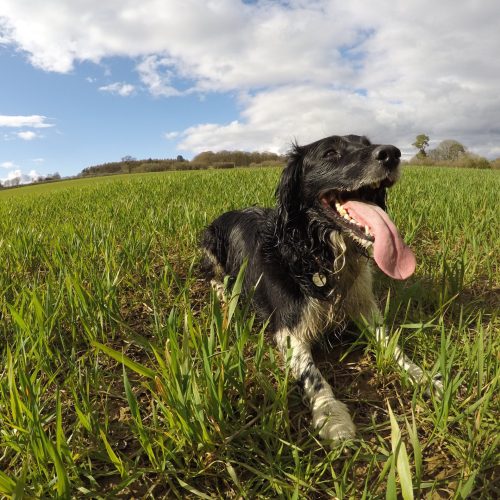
309 258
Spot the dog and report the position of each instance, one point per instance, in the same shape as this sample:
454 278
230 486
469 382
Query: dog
309 258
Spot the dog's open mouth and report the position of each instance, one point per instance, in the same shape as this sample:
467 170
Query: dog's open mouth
370 226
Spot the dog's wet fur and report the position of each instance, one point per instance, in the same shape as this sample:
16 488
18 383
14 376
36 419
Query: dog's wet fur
309 269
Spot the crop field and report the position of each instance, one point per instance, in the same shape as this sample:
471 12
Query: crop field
122 376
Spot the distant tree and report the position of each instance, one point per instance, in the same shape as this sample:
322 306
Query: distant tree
471 160
495 163
206 157
239 158
53 177
180 158
448 150
129 163
421 142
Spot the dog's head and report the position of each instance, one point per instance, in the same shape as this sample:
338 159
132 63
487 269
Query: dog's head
344 179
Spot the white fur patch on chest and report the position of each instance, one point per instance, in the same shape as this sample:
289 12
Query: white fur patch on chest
319 316
353 299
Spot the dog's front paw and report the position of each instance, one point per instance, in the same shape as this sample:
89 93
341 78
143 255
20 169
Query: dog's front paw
437 386
333 421
337 431
219 290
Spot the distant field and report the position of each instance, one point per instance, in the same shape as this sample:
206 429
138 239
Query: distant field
122 375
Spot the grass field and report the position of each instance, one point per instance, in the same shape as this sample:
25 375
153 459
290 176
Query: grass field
121 375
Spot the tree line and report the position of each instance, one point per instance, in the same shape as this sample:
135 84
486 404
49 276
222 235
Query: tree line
204 160
449 153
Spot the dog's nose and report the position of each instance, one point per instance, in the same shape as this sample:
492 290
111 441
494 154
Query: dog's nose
387 155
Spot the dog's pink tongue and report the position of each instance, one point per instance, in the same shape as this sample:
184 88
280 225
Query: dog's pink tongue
390 252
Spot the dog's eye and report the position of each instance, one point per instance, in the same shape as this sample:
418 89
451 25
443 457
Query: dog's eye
331 154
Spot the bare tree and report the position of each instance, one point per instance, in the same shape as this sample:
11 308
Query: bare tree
449 149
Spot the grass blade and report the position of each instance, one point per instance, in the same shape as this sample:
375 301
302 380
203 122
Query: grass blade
121 358
401 457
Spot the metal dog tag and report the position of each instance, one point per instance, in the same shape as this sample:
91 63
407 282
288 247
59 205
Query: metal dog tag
319 280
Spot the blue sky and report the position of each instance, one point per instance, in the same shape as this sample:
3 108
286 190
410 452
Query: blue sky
88 125
84 82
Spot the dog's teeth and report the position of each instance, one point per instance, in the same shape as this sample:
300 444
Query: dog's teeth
340 209
367 230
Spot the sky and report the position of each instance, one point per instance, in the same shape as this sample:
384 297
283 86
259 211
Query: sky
83 82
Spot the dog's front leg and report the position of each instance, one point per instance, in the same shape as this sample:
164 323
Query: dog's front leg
416 374
330 416
362 307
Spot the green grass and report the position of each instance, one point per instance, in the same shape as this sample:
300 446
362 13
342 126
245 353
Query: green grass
122 375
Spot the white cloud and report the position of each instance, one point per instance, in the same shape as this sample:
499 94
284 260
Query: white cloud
13 174
27 135
122 89
32 121
308 67
16 177
171 135
8 164
270 122
156 73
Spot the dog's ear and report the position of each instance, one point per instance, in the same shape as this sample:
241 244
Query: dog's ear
288 192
